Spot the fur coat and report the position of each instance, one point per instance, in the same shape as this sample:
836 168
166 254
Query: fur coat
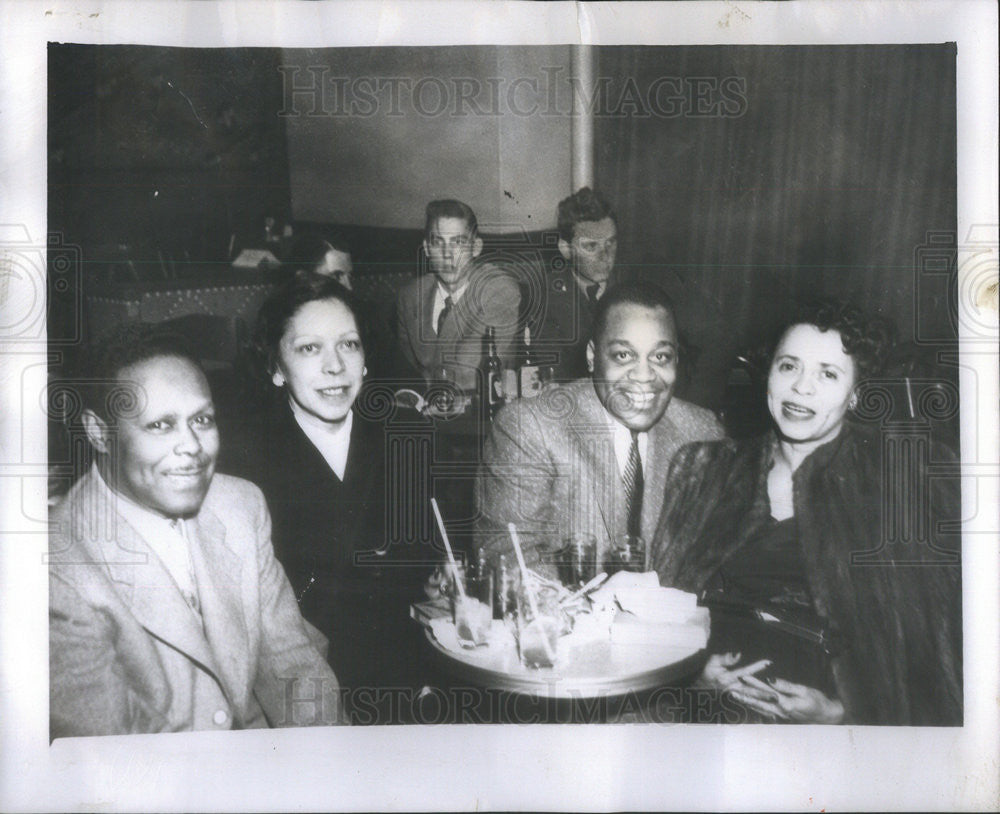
878 520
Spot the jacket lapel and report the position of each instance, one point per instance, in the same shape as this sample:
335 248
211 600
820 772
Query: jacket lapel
662 445
602 493
144 583
428 351
219 574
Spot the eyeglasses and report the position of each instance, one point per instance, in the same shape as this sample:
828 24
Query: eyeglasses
591 246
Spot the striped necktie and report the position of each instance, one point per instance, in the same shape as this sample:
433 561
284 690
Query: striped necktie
633 487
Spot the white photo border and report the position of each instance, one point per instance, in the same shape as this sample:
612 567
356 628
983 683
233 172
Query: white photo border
489 767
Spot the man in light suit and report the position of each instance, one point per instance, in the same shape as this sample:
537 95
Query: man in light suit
590 457
443 317
167 609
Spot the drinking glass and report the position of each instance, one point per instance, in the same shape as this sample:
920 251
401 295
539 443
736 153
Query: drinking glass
538 633
473 612
576 561
627 553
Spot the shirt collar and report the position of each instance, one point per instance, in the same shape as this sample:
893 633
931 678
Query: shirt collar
333 446
146 522
455 295
622 438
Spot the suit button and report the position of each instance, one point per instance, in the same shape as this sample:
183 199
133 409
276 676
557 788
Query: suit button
220 717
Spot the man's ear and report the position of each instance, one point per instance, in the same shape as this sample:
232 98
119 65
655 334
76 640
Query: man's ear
477 247
564 249
97 431
590 356
427 251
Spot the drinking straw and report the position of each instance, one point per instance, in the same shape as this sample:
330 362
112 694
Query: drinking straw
529 586
586 588
524 569
447 547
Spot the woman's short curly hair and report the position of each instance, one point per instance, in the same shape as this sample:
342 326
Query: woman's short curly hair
868 340
279 308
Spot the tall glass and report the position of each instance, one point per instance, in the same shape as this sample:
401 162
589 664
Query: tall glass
473 612
576 561
627 553
539 625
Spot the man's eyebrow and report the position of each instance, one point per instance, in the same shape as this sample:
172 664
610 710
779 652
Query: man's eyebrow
160 417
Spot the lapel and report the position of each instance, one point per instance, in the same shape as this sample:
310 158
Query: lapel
142 580
219 574
662 442
603 492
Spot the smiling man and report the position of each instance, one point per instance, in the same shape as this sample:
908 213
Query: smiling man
167 609
443 317
590 457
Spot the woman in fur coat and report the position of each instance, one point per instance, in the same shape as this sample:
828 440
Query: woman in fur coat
824 548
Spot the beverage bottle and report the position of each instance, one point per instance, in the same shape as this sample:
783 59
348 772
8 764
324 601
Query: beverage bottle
495 396
529 379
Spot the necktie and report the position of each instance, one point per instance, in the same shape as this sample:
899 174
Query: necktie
633 487
444 314
189 588
592 294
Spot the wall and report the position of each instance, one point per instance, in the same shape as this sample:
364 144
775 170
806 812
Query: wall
376 133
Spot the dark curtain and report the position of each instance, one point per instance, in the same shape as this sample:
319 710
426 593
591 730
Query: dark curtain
816 171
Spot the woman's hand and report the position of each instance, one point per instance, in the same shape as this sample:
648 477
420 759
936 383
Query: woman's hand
721 672
787 701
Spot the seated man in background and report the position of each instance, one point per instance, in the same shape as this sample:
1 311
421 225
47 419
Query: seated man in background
588 242
590 457
327 258
167 609
443 317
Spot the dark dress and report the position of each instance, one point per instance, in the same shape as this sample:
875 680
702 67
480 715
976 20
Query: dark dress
330 536
763 608
893 603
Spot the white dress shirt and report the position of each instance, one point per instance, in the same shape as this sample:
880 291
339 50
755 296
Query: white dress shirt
167 537
622 437
333 446
439 297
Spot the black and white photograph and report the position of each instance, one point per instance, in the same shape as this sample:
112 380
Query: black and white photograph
566 407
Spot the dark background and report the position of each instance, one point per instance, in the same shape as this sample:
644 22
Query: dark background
837 177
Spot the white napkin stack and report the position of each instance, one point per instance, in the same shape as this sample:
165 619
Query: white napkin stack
653 616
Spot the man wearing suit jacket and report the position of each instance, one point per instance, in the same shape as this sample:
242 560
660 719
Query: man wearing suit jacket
588 243
590 457
443 317
167 609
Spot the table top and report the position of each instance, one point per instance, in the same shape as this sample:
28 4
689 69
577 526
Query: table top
588 668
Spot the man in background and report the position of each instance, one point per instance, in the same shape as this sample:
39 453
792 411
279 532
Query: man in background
443 317
588 243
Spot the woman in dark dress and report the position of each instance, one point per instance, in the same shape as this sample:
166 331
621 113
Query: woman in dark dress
822 611
323 469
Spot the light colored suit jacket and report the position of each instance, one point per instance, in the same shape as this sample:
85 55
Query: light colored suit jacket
492 298
549 467
126 652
